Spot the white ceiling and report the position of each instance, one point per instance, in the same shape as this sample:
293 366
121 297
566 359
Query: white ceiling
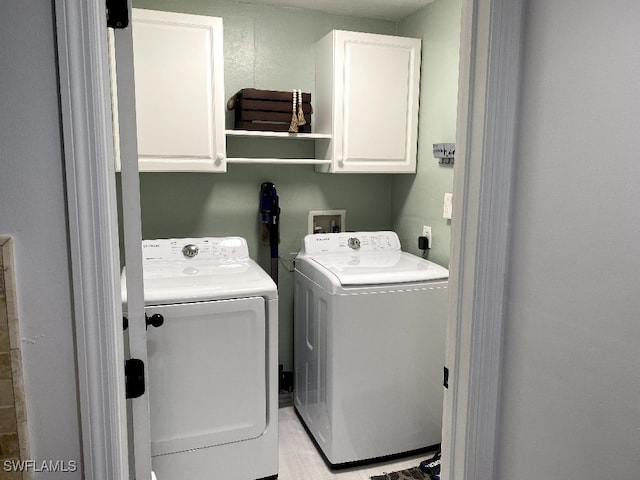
382 9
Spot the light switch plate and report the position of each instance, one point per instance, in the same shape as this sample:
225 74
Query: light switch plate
448 206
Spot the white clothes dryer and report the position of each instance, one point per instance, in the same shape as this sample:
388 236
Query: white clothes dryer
369 328
212 365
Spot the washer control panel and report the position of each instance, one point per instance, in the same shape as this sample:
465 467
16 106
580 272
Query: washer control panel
351 242
220 249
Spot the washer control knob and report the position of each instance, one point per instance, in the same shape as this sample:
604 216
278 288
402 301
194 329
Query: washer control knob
354 243
190 250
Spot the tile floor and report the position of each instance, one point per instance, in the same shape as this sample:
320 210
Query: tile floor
300 460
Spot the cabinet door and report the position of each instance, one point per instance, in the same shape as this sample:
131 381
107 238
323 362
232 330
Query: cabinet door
376 81
179 84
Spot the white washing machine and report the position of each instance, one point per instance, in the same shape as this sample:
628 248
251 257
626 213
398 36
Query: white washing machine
212 367
370 325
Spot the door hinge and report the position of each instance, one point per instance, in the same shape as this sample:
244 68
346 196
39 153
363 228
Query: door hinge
117 13
134 378
445 378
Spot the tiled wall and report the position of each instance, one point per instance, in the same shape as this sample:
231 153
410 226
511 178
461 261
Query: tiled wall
13 422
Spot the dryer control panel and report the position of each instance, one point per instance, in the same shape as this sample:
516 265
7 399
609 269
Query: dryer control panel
351 242
204 249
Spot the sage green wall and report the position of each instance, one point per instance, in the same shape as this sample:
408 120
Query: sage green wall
267 48
418 200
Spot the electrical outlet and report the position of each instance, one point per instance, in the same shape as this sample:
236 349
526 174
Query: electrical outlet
426 232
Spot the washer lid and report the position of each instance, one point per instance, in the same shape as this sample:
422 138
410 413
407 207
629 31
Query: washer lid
219 269
379 268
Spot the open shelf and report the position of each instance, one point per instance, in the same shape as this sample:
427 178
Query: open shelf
263 134
279 161
277 135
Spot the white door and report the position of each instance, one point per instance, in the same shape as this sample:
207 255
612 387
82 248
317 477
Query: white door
207 374
121 47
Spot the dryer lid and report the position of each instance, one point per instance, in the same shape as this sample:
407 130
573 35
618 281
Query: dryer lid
379 268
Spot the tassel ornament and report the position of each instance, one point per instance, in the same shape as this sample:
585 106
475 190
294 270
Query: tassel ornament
293 128
301 120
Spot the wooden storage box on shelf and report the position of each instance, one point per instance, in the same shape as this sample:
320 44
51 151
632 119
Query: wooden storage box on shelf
268 110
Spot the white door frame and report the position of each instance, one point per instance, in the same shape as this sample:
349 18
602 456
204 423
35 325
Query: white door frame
487 112
93 235
491 37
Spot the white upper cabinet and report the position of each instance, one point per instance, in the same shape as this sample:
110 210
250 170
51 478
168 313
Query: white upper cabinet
367 92
179 85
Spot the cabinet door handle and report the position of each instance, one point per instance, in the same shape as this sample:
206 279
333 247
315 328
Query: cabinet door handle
340 161
155 320
219 158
